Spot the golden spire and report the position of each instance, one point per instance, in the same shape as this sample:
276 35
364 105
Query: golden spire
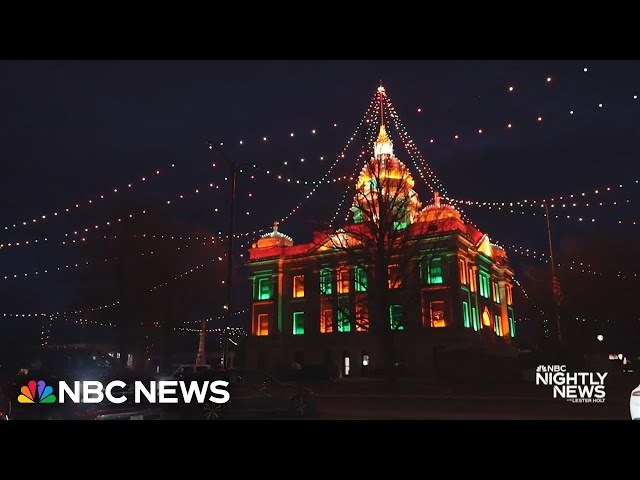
383 145
383 137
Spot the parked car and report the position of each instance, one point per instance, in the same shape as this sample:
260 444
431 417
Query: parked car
53 364
634 404
185 370
252 393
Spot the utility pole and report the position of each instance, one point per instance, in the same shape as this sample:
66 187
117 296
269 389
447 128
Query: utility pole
234 169
555 283
227 307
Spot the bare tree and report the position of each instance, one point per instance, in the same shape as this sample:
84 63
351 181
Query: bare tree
159 282
389 246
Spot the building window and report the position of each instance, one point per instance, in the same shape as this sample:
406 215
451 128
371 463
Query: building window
298 323
394 276
495 292
463 271
344 320
326 282
298 286
512 322
365 360
264 288
435 271
361 279
262 325
473 283
475 319
362 318
326 321
343 280
465 315
396 316
347 366
486 318
484 284
496 320
438 318
509 291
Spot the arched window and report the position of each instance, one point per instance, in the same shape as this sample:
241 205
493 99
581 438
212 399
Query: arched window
486 318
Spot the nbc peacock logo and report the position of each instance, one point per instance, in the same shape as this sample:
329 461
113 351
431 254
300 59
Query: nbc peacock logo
38 392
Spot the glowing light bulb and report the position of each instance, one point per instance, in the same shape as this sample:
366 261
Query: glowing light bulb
419 110
548 79
508 125
511 88
585 69
455 136
431 141
313 131
264 139
335 124
291 134
539 119
241 142
600 105
570 112
480 130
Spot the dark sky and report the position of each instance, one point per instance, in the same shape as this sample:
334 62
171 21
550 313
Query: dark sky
72 130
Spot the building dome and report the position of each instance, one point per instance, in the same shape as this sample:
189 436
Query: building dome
386 181
381 168
273 239
437 211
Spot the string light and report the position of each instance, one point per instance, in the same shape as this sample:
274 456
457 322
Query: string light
83 322
69 266
371 131
220 317
575 265
117 302
328 172
80 233
238 331
552 202
430 179
93 200
545 317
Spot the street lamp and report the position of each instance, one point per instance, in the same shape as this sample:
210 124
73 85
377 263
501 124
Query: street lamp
234 168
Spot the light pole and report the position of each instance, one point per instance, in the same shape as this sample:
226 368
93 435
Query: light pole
554 279
234 168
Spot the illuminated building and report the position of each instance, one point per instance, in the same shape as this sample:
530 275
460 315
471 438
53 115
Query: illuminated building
310 301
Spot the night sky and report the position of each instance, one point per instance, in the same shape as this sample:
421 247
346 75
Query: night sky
73 130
